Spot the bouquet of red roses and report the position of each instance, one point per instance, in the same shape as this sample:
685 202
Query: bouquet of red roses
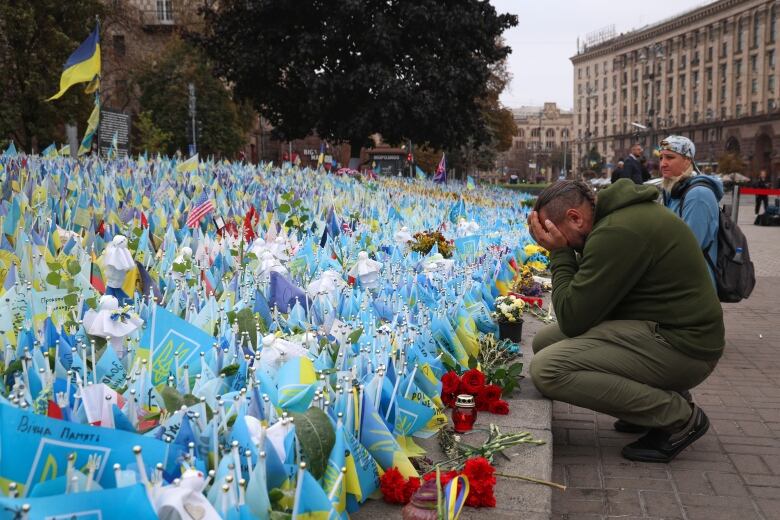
478 470
472 382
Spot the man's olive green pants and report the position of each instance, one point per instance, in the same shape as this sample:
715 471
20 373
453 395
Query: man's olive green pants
625 369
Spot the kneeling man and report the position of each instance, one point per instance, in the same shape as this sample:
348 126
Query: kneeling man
639 321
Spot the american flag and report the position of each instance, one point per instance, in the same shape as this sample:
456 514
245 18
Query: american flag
202 207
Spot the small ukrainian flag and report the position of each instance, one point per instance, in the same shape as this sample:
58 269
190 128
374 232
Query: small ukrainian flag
83 65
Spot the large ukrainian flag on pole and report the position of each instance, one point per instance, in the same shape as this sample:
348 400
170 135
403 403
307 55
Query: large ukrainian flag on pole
83 65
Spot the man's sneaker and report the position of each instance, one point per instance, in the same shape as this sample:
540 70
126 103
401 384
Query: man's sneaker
626 427
662 446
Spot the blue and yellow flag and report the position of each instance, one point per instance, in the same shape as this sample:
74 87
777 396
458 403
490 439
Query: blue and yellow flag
381 444
297 383
313 503
92 124
83 65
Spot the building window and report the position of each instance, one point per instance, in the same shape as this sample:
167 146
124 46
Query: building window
579 73
724 49
723 112
770 83
682 81
772 23
683 61
722 73
579 119
165 10
521 145
754 64
738 89
695 97
669 102
534 132
770 60
723 93
682 118
740 34
119 44
738 110
709 53
550 132
695 117
579 89
756 25
709 95
596 69
737 68
754 86
770 105
753 108
682 101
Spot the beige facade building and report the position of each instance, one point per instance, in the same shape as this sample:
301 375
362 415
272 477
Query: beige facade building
542 146
710 74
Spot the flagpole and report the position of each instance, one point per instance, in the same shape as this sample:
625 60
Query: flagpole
97 128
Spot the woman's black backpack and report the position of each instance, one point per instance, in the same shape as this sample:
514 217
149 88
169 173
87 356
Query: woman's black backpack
735 276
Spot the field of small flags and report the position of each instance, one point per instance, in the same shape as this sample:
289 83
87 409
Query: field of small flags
228 340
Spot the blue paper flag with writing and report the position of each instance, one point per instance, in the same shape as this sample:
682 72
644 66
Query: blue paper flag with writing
166 334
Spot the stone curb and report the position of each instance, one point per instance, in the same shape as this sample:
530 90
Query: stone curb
528 411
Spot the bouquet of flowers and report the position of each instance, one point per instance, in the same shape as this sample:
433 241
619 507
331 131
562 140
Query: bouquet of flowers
525 284
424 241
473 382
509 309
480 472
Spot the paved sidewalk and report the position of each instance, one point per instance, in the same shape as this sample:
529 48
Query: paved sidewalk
733 472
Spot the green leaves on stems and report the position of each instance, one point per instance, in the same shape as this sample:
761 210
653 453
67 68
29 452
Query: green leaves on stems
316 436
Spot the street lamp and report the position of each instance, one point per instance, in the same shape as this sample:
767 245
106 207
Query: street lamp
652 53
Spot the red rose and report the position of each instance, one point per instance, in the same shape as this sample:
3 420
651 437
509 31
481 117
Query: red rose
481 481
472 381
448 400
499 407
450 383
491 393
482 404
479 469
445 476
392 486
411 486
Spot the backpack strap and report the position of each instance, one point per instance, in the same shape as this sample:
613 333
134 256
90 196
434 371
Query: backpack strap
706 250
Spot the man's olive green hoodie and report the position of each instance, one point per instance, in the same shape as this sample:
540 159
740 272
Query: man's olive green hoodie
640 262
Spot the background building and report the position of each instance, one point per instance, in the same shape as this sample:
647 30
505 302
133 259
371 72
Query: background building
709 74
541 148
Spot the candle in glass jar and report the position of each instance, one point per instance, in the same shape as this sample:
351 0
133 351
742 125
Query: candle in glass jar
465 413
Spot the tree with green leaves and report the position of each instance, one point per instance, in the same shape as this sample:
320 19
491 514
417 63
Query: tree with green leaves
221 123
406 69
36 39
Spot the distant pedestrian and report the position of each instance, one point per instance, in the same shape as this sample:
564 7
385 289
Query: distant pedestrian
643 167
691 195
617 173
763 183
632 168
